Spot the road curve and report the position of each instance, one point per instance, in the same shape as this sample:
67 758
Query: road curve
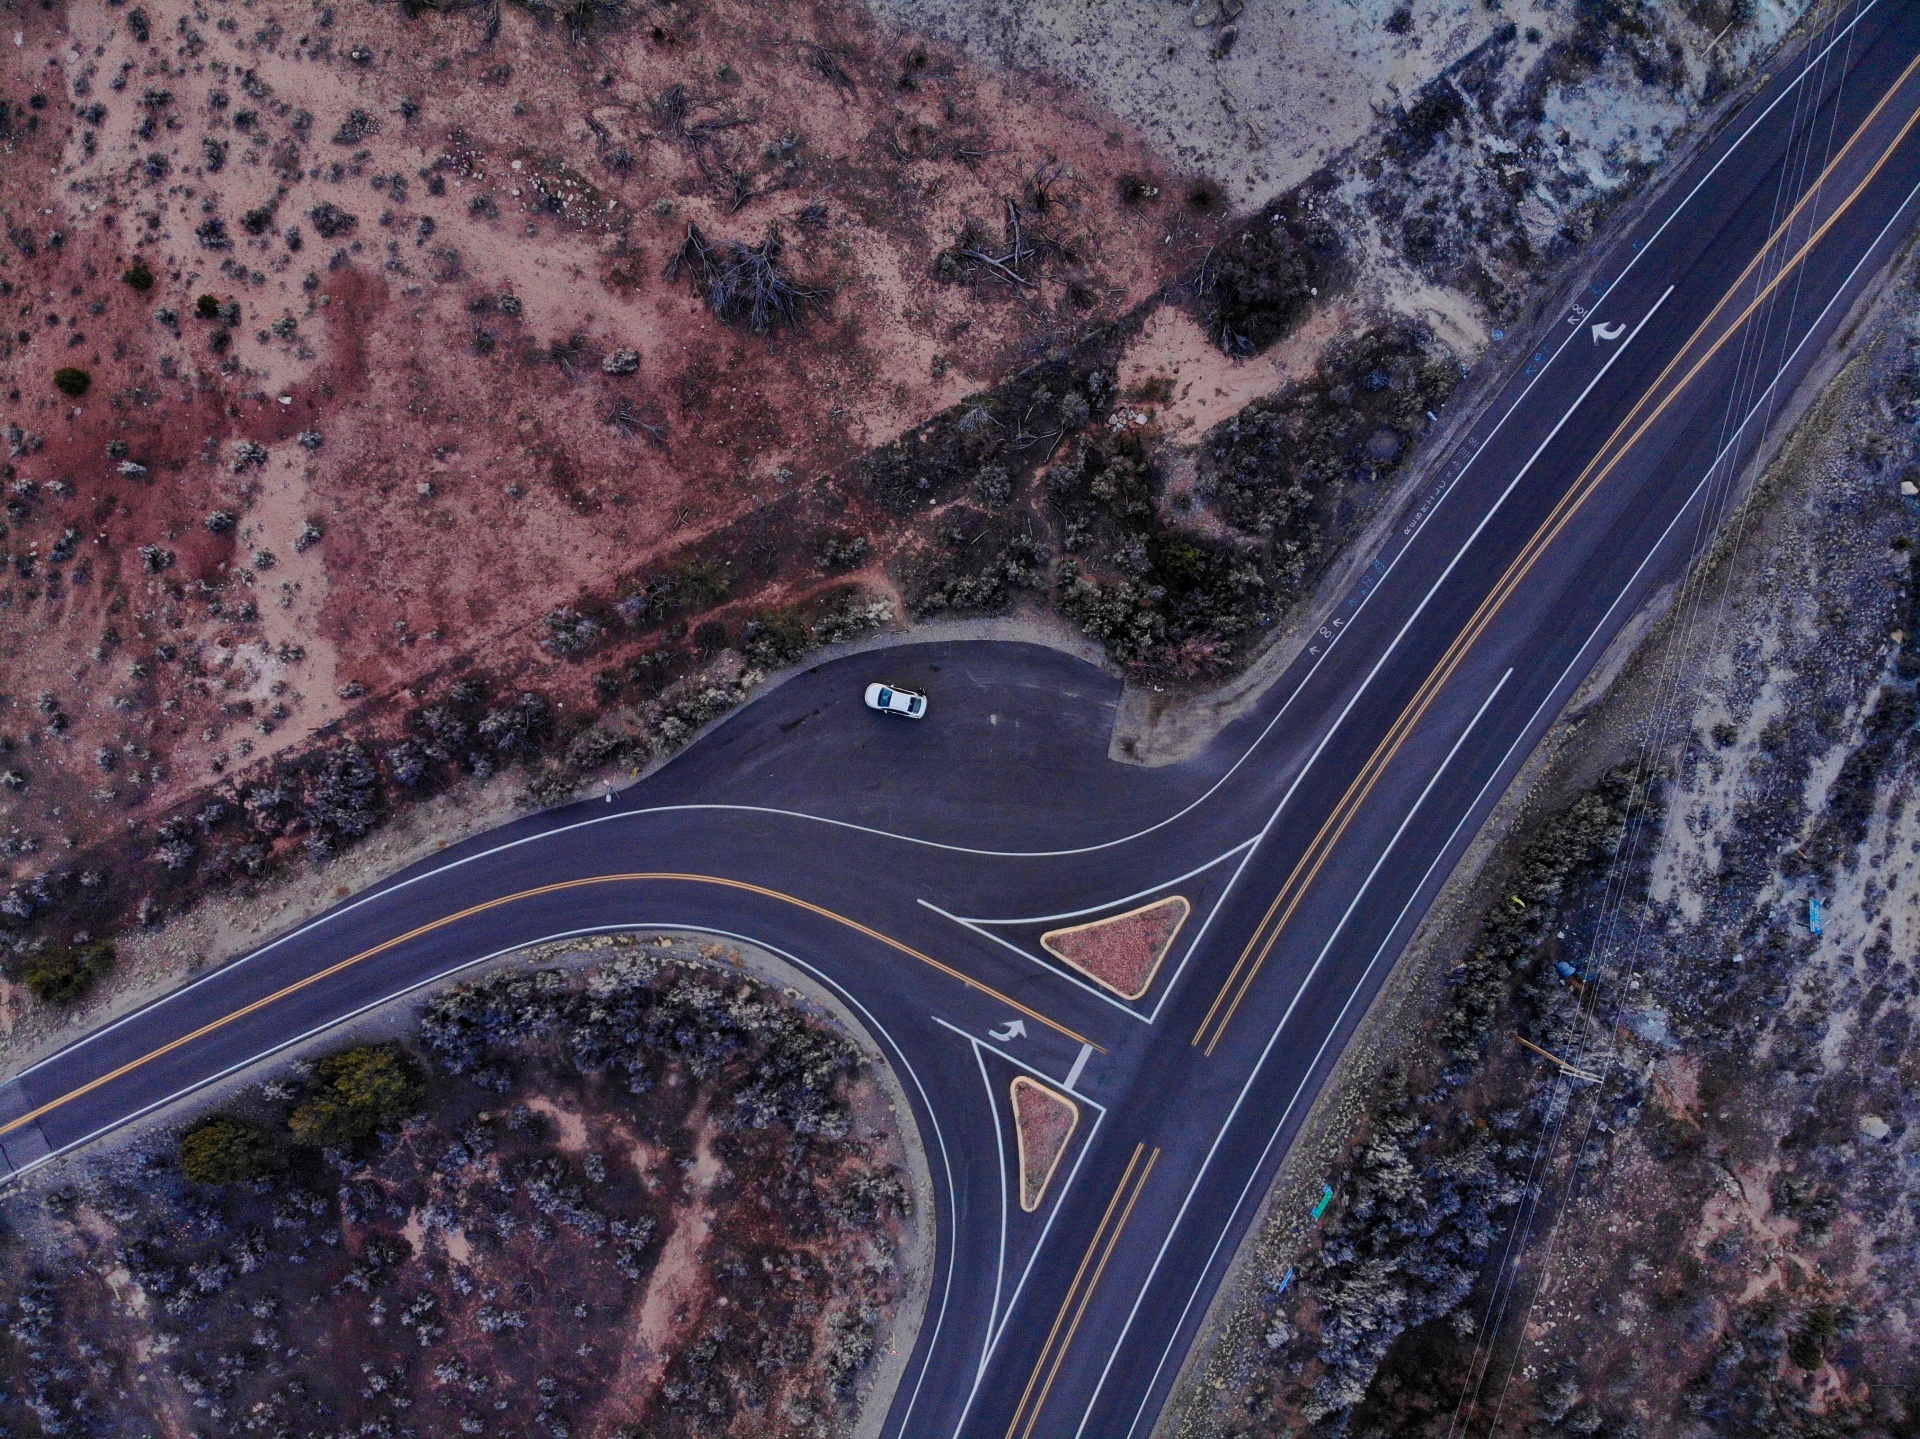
913 867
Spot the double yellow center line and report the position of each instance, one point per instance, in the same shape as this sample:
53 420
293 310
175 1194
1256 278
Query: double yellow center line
1073 1308
1640 419
321 975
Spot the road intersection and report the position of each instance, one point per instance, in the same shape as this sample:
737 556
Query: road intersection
912 868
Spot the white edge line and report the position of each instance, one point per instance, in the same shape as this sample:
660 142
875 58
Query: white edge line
1035 959
1394 644
1110 903
1000 1154
1559 685
383 889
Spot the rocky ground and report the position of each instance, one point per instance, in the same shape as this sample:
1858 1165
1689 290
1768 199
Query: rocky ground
1708 1226
373 1240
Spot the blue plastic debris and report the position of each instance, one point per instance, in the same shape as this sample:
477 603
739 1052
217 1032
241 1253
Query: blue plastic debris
1286 1281
1567 971
1813 915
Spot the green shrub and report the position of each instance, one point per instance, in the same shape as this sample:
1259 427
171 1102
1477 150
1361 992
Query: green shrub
1256 287
207 307
61 976
138 275
223 1151
775 637
71 381
699 583
356 1093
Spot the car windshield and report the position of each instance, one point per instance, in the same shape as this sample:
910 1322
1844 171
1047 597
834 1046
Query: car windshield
914 706
886 695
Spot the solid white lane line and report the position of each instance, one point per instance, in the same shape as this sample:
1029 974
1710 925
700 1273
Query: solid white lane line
1266 1152
1393 645
852 1000
1000 1155
1059 972
980 927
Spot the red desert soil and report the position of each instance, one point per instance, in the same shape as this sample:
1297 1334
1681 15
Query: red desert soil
1043 1121
1124 951
401 451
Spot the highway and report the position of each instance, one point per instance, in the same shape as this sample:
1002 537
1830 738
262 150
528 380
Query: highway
912 867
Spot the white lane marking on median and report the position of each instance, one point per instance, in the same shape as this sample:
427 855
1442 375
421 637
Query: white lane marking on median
1137 895
1166 986
1039 963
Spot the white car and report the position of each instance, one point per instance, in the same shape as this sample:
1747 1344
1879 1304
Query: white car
892 700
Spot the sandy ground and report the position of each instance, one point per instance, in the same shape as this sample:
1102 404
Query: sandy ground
412 416
1257 95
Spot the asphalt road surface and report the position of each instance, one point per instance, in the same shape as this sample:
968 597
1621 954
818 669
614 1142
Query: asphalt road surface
912 867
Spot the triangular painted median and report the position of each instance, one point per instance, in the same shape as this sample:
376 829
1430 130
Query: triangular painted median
1043 1122
1123 951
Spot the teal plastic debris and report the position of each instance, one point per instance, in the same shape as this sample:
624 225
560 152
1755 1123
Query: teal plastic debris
1326 1198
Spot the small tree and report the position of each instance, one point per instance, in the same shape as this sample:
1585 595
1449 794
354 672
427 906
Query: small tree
71 381
61 976
223 1151
138 275
355 1094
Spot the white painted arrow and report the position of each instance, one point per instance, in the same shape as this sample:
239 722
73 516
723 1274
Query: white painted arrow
1608 332
1012 1029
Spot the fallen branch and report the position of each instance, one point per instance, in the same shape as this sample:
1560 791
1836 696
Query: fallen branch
741 283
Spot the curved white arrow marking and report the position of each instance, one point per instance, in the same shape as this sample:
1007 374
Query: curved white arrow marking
1608 332
1012 1029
